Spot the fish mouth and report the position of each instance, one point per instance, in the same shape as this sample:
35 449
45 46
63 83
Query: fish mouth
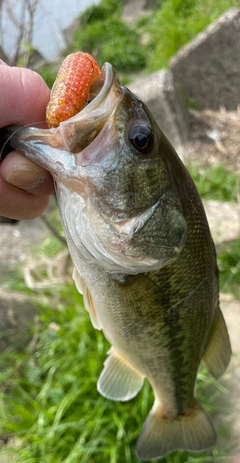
55 149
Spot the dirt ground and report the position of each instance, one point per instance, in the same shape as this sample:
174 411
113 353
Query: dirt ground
214 138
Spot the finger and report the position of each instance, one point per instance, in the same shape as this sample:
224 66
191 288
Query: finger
25 174
24 96
19 204
2 63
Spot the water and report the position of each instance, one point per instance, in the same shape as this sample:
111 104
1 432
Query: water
50 19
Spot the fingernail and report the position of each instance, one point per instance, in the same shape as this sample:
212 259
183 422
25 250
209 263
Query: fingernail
25 177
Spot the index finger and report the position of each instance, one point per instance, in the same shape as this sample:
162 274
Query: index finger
24 96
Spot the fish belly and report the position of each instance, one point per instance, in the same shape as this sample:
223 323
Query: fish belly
145 344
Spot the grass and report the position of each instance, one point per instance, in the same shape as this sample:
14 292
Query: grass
107 37
48 73
175 23
217 182
50 403
50 410
148 44
144 46
229 267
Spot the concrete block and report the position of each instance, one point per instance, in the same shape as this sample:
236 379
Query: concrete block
207 70
166 105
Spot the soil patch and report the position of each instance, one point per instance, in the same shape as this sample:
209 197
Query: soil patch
214 138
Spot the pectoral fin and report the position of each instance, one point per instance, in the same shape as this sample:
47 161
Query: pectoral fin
77 280
119 380
88 301
217 351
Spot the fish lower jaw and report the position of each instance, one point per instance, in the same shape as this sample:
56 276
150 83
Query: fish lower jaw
115 261
120 266
99 243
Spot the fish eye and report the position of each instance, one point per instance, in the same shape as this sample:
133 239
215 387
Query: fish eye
141 138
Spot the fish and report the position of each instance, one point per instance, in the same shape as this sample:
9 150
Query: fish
143 256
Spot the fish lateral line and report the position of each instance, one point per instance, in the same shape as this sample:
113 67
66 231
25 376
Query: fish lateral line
184 299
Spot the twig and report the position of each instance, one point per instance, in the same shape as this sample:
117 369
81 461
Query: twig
53 230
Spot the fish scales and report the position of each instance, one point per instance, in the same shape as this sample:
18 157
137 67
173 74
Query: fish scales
169 302
144 259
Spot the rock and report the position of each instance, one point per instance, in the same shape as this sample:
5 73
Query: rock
17 242
214 139
134 9
4 57
36 60
17 310
207 69
68 32
165 103
223 219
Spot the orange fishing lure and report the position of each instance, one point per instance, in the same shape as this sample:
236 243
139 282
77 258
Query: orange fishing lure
71 87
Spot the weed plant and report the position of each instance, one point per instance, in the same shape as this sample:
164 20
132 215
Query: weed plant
148 44
48 73
50 410
229 267
215 182
220 184
175 23
107 37
50 404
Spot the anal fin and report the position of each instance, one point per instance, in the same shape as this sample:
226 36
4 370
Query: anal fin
161 435
217 351
119 380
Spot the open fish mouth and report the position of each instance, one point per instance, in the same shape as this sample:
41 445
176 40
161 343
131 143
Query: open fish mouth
110 194
52 148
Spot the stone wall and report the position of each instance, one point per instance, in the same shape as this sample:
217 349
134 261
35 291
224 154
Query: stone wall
166 105
207 70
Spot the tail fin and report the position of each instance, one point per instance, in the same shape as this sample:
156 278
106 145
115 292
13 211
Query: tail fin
161 436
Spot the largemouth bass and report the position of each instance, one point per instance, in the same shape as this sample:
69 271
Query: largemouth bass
144 258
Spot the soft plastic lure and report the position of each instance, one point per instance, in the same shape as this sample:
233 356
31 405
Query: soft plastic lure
71 87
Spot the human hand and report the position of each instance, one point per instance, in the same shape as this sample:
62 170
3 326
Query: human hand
24 186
